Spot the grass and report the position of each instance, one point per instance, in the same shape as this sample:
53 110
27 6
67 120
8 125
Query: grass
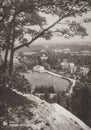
39 79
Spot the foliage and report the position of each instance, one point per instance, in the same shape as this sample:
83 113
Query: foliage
45 93
46 65
14 109
28 61
21 68
22 15
19 19
80 102
19 83
78 60
43 89
52 58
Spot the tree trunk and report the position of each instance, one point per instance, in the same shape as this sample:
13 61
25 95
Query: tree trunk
7 39
11 61
5 66
12 49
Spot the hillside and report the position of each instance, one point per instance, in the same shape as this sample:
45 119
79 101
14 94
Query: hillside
32 113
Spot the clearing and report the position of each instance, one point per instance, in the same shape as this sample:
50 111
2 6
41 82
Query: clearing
45 79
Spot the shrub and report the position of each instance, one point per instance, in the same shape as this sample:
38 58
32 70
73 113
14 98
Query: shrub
21 68
19 82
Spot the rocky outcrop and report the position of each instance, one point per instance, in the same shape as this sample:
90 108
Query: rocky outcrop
36 114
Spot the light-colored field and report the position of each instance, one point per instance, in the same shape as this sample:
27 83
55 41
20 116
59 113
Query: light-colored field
38 79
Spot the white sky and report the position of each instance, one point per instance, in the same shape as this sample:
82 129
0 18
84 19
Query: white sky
59 39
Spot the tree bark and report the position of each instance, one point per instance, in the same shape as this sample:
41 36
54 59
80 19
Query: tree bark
7 40
11 61
12 49
5 61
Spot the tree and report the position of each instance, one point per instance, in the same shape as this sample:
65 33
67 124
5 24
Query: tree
80 102
18 17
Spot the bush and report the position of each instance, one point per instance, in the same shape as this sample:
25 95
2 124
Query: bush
19 83
21 68
80 102
43 89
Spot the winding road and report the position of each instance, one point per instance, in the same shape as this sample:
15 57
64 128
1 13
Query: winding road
73 81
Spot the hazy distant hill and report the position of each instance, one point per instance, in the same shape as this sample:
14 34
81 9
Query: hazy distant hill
72 46
32 48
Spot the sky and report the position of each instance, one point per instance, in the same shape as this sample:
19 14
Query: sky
60 39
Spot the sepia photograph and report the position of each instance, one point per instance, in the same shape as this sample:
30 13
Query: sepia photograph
45 64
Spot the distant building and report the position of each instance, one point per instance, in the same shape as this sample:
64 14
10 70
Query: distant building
65 64
78 53
29 53
84 70
39 69
57 50
43 50
68 66
72 68
75 53
44 57
67 50
85 53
